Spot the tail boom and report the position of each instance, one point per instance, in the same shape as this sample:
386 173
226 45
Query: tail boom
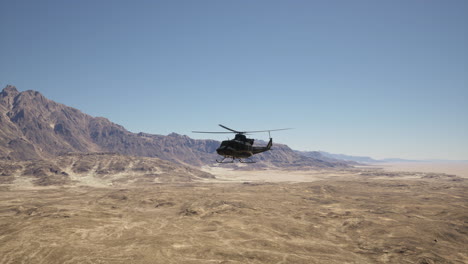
257 150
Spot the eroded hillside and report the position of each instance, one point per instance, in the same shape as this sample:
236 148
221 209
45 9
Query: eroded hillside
96 169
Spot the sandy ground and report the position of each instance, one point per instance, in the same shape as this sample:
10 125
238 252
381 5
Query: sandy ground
455 168
228 175
317 216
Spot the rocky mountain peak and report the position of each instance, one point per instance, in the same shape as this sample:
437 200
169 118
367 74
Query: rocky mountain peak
7 96
11 98
9 90
175 135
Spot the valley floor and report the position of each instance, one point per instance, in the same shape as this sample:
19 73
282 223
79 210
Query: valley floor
455 168
355 216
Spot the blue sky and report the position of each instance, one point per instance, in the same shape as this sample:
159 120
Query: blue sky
376 78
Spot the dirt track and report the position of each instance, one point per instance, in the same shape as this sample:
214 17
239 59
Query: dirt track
370 217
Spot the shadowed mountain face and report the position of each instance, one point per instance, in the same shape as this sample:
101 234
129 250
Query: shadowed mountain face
34 127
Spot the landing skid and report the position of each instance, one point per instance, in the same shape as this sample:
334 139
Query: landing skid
247 161
222 161
233 159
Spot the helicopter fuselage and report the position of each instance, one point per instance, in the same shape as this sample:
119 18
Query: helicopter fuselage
235 149
240 147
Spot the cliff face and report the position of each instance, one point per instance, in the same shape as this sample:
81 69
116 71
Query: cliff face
33 127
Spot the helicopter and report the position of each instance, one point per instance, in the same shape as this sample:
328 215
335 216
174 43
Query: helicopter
240 148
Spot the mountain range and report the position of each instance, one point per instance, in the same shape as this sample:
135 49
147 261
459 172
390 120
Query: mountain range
369 160
33 127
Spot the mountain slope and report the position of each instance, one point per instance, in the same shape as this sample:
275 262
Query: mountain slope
33 127
362 159
327 158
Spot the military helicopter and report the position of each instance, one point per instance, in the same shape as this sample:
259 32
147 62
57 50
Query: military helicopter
240 147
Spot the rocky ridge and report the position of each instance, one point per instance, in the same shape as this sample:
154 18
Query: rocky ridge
33 127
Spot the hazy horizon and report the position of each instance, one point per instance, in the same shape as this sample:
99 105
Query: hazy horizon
364 78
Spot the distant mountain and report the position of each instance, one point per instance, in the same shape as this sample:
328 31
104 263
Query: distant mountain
360 159
282 155
33 127
326 158
364 159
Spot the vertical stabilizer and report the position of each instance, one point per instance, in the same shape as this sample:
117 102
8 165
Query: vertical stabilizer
270 143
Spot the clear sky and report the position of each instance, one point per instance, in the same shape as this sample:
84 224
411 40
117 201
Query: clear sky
361 77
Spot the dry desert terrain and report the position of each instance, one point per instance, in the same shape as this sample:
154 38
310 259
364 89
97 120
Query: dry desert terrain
455 168
362 215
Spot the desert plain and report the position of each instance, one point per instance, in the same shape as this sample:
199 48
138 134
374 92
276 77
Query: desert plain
357 215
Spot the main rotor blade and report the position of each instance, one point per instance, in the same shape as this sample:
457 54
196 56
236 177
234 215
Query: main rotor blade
239 132
230 129
212 132
258 131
